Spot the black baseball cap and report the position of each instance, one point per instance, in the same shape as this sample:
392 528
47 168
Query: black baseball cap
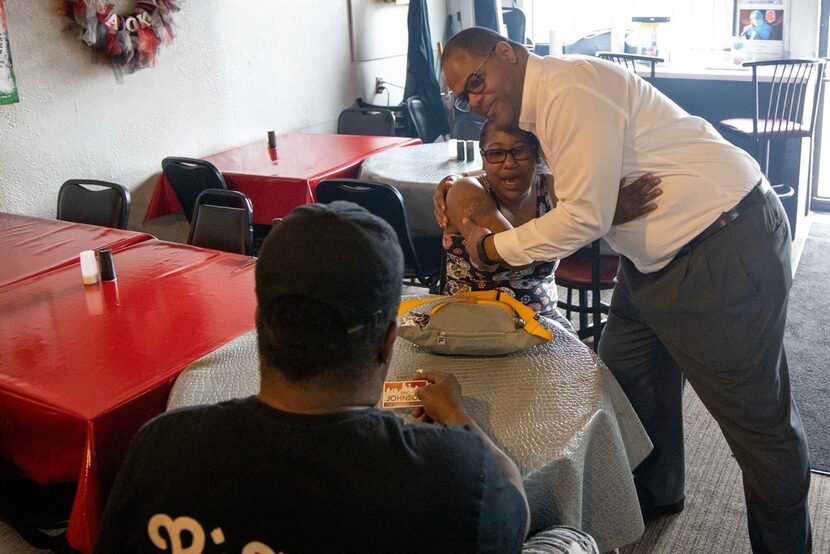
338 254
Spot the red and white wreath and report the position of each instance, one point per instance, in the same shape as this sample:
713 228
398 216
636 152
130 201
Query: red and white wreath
128 42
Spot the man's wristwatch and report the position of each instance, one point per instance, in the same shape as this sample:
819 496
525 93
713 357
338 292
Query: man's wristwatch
482 252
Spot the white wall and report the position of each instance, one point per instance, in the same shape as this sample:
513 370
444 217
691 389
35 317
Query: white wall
803 28
236 70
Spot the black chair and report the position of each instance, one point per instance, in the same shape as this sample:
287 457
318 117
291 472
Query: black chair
783 107
587 270
105 204
36 511
189 177
387 203
417 114
366 121
467 126
220 226
515 21
633 62
398 111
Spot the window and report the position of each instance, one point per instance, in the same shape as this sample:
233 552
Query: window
695 24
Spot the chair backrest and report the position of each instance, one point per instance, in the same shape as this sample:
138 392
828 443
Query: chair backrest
467 127
220 226
398 110
791 108
632 62
385 202
515 21
366 121
417 113
94 202
189 177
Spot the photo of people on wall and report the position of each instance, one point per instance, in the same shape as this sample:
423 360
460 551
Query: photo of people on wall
757 23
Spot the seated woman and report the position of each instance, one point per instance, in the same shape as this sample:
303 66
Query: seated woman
512 191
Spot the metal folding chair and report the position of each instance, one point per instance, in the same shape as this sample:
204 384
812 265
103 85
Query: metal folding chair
94 202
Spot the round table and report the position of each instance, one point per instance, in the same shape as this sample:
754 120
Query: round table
554 409
415 171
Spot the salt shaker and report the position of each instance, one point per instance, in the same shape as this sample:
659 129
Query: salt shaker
89 267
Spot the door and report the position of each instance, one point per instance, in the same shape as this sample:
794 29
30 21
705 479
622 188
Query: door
820 187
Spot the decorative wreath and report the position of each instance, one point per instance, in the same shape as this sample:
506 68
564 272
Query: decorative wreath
130 42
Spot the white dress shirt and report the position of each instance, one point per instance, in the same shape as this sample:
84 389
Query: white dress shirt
598 123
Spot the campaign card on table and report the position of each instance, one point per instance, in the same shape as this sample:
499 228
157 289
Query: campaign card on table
401 394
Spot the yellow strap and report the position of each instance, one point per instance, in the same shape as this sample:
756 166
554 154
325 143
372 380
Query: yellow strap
532 326
407 305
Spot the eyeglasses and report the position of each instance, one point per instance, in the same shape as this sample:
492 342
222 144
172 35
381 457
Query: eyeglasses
498 155
473 85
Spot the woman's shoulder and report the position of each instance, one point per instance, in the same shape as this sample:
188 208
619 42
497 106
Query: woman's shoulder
470 183
466 189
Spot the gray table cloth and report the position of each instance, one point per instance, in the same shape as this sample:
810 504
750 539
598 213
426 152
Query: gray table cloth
554 409
415 171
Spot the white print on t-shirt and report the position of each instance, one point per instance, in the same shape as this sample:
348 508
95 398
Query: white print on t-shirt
175 527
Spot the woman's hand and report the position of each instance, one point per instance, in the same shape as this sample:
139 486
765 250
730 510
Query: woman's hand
439 200
635 200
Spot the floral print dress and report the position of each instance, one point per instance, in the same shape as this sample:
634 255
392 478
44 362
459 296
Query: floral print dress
532 285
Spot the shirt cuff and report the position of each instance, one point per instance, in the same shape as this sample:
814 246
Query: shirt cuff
509 249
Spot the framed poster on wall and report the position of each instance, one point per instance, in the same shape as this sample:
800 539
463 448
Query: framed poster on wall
8 86
378 29
760 25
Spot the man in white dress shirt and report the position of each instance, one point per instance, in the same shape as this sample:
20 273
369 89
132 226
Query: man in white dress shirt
703 285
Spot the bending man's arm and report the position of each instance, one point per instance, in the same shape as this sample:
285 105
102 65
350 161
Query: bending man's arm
633 201
582 134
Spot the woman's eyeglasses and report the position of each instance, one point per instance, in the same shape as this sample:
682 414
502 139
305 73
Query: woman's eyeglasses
498 155
473 85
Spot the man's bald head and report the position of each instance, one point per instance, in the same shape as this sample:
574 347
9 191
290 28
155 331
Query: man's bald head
475 41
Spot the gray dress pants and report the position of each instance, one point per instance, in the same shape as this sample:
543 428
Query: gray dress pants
715 317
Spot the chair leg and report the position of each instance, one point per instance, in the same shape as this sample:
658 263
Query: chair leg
596 318
583 310
596 302
808 204
570 303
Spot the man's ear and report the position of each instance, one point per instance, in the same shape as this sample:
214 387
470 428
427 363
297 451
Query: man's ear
506 51
387 344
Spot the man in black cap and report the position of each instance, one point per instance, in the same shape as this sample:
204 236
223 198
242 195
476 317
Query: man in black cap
309 465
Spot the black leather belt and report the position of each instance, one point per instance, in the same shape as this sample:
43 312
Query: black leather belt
755 197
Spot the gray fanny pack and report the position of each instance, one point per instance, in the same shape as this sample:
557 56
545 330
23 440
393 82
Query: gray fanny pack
484 323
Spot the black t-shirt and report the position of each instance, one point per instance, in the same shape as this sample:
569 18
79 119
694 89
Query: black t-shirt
242 474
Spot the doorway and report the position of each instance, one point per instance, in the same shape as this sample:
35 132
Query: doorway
820 187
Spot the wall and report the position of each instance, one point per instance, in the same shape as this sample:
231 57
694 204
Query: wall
236 70
803 29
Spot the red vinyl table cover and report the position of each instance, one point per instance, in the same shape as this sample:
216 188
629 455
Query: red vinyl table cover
30 246
83 367
279 180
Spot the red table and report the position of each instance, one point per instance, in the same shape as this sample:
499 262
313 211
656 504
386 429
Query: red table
82 368
278 183
30 246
